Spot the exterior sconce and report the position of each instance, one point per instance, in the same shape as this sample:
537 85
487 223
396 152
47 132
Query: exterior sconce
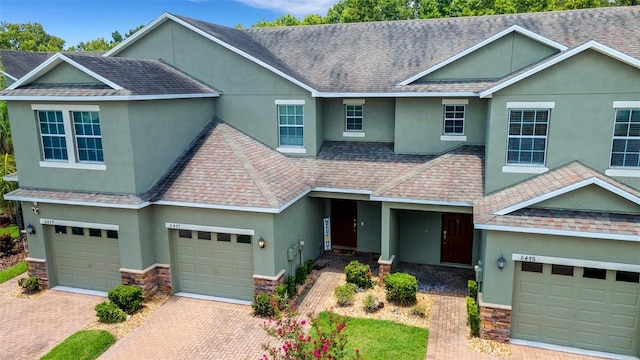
30 229
261 243
501 262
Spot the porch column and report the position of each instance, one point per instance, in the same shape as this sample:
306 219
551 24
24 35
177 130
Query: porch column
388 240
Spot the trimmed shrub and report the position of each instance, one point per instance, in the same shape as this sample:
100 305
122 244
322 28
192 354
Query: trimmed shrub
345 294
110 313
309 264
291 286
419 311
401 288
473 316
301 274
370 303
262 305
358 274
126 297
281 290
472 287
30 284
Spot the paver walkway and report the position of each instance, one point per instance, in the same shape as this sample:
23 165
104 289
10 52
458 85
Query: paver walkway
30 328
185 328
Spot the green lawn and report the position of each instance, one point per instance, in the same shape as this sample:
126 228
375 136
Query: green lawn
83 345
379 339
13 230
15 270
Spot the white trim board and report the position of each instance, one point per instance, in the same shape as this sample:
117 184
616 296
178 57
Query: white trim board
422 202
75 202
6 74
591 181
213 229
213 298
408 94
81 224
80 291
501 34
110 98
54 61
590 45
590 235
579 262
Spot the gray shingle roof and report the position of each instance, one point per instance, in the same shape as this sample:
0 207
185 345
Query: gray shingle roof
136 77
373 57
18 63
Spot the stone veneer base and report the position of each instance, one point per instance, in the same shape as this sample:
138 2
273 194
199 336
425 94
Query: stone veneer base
38 267
267 284
495 323
150 280
384 267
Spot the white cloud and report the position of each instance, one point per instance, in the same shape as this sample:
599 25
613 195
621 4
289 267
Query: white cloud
294 7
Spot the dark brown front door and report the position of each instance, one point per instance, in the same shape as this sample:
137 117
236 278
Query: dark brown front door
457 238
344 223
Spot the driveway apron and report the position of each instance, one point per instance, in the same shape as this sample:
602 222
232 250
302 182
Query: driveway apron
32 327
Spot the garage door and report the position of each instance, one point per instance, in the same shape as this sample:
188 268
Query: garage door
215 264
86 258
587 308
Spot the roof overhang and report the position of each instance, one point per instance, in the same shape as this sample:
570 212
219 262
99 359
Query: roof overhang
542 231
108 98
591 45
6 74
512 29
408 94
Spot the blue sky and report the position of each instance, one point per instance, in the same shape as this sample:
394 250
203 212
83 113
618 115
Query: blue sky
83 20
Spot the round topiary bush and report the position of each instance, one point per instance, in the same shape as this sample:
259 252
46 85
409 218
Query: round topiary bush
401 288
358 274
126 297
110 313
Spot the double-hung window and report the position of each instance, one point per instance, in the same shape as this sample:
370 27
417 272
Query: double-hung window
354 118
527 136
454 113
70 136
290 125
625 151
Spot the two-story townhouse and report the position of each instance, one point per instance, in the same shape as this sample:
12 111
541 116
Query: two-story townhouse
211 161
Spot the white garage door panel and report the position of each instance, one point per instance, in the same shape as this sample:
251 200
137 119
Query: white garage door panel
215 268
86 262
573 311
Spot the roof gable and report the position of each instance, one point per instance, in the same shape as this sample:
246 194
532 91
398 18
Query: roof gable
489 42
591 198
590 45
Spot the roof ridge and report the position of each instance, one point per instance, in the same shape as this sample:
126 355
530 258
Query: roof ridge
247 164
410 174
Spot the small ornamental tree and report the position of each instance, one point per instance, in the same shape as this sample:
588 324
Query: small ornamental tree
327 342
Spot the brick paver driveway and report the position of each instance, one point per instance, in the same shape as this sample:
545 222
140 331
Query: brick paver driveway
185 328
30 328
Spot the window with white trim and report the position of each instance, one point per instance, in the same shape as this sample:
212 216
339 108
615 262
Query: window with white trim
291 125
354 115
70 136
527 139
454 119
625 149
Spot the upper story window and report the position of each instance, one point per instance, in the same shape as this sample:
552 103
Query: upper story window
354 116
290 126
454 113
527 139
70 136
625 150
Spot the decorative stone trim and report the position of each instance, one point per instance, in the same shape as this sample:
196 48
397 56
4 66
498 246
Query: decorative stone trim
385 266
38 267
495 321
150 280
267 284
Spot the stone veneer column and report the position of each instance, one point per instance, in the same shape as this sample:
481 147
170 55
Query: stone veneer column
157 276
38 267
495 321
267 284
385 267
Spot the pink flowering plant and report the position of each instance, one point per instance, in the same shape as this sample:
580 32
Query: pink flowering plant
326 340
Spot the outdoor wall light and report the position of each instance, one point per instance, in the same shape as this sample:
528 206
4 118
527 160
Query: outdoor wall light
501 262
30 229
261 243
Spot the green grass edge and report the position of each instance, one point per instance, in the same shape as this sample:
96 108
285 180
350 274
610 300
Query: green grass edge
82 345
12 230
11 272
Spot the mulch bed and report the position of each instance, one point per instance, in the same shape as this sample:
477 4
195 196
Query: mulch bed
19 253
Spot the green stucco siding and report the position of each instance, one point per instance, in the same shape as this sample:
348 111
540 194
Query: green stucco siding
66 74
583 88
161 131
300 221
249 90
495 60
419 125
420 236
593 198
369 217
498 285
378 120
